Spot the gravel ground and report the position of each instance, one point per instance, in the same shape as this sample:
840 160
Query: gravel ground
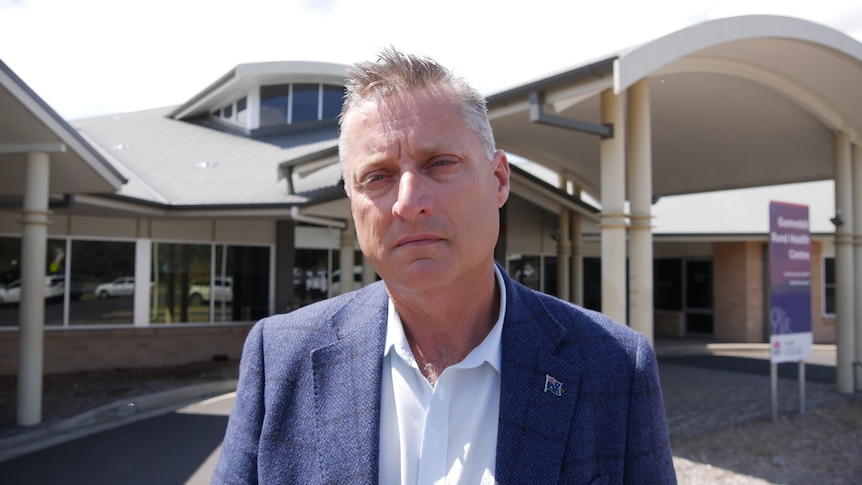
822 447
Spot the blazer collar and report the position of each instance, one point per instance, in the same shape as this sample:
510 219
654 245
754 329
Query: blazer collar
346 375
534 421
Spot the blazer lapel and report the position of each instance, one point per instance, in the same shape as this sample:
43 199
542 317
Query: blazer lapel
347 392
538 394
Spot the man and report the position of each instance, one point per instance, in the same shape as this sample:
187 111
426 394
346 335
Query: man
447 371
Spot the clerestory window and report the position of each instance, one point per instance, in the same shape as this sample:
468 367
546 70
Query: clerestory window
290 104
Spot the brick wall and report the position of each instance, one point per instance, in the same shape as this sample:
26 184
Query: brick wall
740 297
738 290
77 349
822 327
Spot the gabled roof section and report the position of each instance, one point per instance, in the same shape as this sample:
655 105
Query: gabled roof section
174 164
27 123
243 77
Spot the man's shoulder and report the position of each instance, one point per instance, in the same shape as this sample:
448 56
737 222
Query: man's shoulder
356 307
570 322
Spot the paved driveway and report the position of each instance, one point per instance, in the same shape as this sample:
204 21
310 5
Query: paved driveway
175 448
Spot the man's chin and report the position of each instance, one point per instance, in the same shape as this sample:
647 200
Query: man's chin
420 273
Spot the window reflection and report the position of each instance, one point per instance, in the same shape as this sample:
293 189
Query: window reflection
100 285
104 273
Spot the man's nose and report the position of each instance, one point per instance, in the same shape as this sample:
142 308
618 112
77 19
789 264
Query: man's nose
413 198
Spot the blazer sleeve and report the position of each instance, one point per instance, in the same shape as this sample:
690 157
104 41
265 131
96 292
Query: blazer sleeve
648 453
238 461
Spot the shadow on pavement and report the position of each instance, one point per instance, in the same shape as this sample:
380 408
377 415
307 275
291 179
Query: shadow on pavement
813 372
166 449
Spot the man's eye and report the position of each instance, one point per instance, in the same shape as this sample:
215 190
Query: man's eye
373 181
443 162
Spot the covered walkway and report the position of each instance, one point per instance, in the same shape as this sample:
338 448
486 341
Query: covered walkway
732 103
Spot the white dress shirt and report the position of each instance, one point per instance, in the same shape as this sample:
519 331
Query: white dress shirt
447 433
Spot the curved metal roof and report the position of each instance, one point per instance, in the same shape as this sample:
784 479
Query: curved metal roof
739 102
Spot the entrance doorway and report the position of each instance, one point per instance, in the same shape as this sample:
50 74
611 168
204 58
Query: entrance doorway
698 297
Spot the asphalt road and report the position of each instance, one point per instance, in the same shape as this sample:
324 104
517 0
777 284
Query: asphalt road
180 447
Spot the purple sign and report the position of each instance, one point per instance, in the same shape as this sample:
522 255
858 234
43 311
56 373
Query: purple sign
790 282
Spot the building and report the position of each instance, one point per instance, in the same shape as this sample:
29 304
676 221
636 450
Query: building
172 230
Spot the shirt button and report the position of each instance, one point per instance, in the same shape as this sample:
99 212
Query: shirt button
436 422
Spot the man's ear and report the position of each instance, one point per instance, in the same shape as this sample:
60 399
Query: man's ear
501 174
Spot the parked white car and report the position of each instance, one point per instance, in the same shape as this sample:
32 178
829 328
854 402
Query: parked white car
54 289
122 286
222 290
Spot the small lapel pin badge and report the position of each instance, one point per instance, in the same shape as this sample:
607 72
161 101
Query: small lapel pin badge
553 386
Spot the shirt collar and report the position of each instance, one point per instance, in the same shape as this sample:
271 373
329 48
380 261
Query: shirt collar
487 351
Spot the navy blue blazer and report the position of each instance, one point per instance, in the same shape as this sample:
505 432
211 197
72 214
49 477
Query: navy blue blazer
308 401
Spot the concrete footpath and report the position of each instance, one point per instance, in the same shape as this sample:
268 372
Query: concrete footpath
175 436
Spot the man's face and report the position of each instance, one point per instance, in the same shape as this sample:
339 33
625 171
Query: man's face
423 193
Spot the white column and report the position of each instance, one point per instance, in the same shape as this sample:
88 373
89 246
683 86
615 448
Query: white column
857 261
577 272
143 289
34 241
844 268
564 248
640 199
613 222
345 261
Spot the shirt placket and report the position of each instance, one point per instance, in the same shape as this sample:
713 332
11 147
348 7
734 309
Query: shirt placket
435 441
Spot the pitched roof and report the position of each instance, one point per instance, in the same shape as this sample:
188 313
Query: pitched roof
181 164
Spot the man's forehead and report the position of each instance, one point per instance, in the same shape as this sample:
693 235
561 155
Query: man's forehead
395 103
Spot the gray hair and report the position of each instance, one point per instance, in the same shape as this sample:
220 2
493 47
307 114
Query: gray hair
395 72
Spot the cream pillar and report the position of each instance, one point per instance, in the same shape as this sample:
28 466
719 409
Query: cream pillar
34 241
613 222
640 199
844 267
346 260
143 275
576 261
857 261
564 248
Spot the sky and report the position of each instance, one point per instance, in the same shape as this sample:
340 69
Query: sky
94 57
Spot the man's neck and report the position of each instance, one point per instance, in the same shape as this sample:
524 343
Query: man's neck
444 327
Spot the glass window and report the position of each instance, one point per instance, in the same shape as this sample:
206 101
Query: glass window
240 289
592 283
527 270
698 284
333 98
55 281
103 273
310 276
829 286
667 284
176 267
227 112
306 99
242 111
10 257
273 105
549 275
